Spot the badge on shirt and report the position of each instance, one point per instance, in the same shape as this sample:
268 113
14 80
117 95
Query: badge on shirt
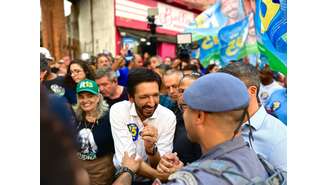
58 90
264 95
134 130
275 105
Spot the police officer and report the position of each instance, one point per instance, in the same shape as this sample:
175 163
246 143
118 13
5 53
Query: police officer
213 120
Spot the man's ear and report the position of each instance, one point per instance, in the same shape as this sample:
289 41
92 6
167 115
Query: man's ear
200 119
252 90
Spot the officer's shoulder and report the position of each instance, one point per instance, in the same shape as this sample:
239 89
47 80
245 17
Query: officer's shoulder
204 172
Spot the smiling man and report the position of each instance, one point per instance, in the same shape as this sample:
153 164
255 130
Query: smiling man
141 126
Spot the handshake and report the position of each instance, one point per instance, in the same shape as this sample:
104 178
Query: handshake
168 164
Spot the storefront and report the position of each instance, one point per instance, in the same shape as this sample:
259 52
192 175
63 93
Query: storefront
132 31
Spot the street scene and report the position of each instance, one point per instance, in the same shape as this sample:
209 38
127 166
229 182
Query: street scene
156 92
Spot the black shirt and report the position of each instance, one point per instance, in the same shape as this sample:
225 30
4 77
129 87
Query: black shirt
124 96
186 150
57 86
95 140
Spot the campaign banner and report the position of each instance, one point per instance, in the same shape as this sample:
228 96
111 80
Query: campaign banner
271 32
222 45
223 33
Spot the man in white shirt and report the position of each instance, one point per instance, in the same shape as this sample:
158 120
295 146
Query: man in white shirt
268 84
141 126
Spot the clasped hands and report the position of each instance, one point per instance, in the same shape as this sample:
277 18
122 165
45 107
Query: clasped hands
149 135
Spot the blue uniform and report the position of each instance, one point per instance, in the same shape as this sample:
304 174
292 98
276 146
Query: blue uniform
277 105
234 155
270 138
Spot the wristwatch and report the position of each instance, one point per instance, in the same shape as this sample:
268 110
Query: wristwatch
124 169
153 152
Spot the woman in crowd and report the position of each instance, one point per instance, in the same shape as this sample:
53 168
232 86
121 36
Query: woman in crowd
77 71
96 145
212 68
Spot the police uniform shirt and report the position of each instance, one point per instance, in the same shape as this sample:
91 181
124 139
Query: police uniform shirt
127 127
266 91
234 153
270 137
277 105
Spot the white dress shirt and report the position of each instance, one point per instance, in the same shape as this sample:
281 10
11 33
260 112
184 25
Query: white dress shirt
126 127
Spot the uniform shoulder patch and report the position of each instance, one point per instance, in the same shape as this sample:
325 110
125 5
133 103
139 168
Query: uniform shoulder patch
184 176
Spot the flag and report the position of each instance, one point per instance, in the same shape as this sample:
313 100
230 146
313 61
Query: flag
271 32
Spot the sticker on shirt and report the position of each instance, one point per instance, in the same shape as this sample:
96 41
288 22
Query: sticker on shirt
134 130
57 90
275 105
88 147
264 95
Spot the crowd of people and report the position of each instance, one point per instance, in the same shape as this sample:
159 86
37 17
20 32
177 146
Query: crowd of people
140 119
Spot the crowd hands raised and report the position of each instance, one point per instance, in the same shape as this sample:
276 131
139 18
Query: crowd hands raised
133 121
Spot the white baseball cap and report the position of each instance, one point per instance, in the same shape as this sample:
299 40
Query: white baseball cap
46 53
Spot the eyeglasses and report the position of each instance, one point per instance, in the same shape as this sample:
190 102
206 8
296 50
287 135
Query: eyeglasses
193 75
181 90
75 72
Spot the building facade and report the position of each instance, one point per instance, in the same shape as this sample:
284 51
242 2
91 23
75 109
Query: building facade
109 25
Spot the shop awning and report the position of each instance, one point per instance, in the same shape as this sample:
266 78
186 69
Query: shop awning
137 34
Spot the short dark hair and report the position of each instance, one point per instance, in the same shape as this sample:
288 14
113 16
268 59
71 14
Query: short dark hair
191 67
140 75
245 72
209 68
44 63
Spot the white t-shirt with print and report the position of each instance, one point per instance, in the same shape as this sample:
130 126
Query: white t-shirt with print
266 91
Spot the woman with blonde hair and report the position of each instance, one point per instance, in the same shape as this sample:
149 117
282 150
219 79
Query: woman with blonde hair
96 145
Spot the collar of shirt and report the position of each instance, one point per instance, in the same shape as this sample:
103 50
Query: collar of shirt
224 148
257 119
133 112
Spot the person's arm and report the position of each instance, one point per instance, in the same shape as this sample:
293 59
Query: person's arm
147 171
140 167
124 179
117 63
149 136
169 163
166 136
132 164
121 134
154 159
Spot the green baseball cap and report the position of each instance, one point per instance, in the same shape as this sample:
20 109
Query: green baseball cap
87 86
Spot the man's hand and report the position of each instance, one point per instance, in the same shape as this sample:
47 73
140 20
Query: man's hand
169 163
130 162
149 135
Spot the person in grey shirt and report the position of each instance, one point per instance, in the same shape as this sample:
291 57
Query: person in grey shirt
266 134
213 120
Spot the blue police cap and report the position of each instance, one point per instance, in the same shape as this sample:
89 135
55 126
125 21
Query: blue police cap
217 92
